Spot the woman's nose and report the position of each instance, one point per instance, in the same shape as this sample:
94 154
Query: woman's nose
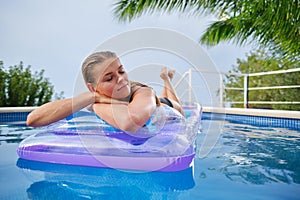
120 78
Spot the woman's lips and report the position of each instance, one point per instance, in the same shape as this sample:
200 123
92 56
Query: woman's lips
123 86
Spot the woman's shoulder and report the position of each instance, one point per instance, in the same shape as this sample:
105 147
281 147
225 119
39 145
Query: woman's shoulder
137 84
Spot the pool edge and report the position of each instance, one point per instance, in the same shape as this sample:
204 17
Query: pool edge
254 112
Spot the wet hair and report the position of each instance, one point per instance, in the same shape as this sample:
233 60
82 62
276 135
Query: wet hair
92 60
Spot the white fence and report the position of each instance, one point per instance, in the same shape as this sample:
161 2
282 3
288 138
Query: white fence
191 85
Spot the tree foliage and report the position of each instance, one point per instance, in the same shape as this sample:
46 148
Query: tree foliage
260 61
20 87
270 23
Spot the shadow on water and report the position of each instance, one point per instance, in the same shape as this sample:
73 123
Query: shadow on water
77 182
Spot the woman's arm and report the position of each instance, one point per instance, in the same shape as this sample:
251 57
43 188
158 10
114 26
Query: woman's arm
132 116
57 110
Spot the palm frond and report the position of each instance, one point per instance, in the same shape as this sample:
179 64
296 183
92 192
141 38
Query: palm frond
127 10
271 23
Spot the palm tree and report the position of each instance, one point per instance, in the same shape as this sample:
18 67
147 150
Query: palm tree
273 24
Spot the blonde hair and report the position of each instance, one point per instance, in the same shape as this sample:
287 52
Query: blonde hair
92 60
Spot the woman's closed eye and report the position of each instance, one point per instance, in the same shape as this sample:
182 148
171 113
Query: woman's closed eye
108 78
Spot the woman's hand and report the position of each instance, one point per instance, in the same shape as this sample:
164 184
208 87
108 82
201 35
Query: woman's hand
100 98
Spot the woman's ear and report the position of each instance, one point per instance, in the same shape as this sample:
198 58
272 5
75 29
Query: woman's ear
90 87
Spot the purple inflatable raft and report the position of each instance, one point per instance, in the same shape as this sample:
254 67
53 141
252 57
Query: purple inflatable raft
165 143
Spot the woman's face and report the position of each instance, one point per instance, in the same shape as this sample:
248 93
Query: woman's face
111 79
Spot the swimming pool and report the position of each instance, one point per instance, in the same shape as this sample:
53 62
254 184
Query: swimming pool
247 161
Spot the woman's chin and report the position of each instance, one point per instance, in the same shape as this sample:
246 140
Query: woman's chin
122 94
122 97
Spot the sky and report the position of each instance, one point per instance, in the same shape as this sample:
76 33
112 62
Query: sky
57 35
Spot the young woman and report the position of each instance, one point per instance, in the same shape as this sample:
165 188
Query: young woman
124 104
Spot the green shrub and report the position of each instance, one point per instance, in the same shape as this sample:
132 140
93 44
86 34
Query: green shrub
20 87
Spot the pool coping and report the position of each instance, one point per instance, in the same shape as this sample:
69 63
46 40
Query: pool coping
218 110
17 109
257 117
254 112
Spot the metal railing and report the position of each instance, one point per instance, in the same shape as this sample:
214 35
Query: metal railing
188 75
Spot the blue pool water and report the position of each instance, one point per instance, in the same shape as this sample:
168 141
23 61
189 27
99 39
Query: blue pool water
233 161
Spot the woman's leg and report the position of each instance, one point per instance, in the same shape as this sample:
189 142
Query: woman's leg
168 90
